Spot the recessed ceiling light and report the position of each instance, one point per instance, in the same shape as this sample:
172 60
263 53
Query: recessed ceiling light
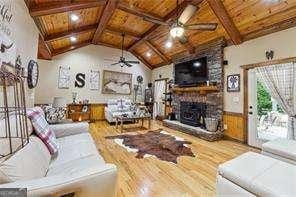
73 39
74 17
168 44
148 54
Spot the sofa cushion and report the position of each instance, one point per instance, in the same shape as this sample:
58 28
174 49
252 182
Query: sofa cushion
75 166
260 175
30 162
74 147
68 129
282 147
42 129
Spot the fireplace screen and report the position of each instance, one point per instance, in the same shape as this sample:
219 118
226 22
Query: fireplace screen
193 114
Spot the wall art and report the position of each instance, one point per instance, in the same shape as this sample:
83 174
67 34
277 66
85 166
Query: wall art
233 83
94 80
117 83
64 77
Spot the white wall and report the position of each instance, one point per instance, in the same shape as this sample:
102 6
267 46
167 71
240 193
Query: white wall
164 71
82 61
25 34
282 43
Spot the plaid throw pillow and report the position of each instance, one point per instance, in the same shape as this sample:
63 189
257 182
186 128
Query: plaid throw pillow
42 129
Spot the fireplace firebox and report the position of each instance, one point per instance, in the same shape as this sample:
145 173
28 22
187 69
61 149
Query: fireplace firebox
193 114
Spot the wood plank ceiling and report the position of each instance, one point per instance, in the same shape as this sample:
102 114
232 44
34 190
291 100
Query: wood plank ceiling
102 22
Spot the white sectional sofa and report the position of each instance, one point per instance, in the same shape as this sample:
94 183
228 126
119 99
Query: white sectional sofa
282 149
253 174
78 167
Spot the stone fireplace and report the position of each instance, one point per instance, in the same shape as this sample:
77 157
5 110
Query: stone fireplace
192 106
193 114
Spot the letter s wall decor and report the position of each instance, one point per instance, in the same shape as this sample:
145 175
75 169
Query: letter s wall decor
80 80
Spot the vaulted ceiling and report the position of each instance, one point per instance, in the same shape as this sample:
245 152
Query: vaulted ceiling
102 22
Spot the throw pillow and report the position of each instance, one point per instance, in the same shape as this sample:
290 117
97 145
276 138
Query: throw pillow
42 129
53 115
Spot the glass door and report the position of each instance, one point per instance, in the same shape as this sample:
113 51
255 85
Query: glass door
266 119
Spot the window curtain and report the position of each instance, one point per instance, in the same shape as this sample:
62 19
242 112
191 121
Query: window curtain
280 81
159 89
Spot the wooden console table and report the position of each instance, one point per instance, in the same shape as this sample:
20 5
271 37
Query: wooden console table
94 113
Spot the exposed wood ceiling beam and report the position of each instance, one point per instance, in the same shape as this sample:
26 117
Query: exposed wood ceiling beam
167 18
109 45
58 7
43 50
86 29
141 59
67 34
158 52
70 48
286 24
228 24
107 14
119 33
138 12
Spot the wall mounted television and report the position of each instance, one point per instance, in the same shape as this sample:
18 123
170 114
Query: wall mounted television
191 73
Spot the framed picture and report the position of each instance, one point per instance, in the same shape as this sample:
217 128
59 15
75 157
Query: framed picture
94 80
64 78
116 83
233 83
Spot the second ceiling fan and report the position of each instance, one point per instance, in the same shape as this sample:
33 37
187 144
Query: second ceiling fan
178 26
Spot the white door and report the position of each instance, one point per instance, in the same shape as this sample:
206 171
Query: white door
253 137
159 90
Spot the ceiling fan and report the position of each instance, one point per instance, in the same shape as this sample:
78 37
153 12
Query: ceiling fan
178 26
122 61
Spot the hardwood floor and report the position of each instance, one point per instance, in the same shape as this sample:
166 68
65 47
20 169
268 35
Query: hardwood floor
153 177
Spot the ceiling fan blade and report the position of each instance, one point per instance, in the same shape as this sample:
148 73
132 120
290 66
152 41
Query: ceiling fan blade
127 64
115 63
202 26
133 62
188 12
183 39
155 21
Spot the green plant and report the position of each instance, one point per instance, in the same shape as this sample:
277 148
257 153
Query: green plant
264 103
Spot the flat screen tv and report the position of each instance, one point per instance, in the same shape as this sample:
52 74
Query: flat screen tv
191 73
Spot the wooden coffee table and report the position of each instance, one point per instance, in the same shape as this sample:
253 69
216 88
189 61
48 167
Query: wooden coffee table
120 119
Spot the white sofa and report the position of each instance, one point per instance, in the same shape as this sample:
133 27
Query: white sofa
78 167
114 108
282 149
253 174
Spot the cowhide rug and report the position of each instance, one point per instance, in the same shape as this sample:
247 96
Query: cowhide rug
157 143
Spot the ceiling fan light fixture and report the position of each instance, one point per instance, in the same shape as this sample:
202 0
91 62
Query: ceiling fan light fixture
177 31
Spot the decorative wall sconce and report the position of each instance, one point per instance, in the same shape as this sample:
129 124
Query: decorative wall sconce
269 54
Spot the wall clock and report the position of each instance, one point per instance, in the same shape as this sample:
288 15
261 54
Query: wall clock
33 74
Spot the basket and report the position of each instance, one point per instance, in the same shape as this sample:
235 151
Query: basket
211 124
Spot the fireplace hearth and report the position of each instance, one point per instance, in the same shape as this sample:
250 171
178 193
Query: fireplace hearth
193 114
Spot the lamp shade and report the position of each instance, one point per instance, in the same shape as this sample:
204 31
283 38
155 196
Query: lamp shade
59 102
